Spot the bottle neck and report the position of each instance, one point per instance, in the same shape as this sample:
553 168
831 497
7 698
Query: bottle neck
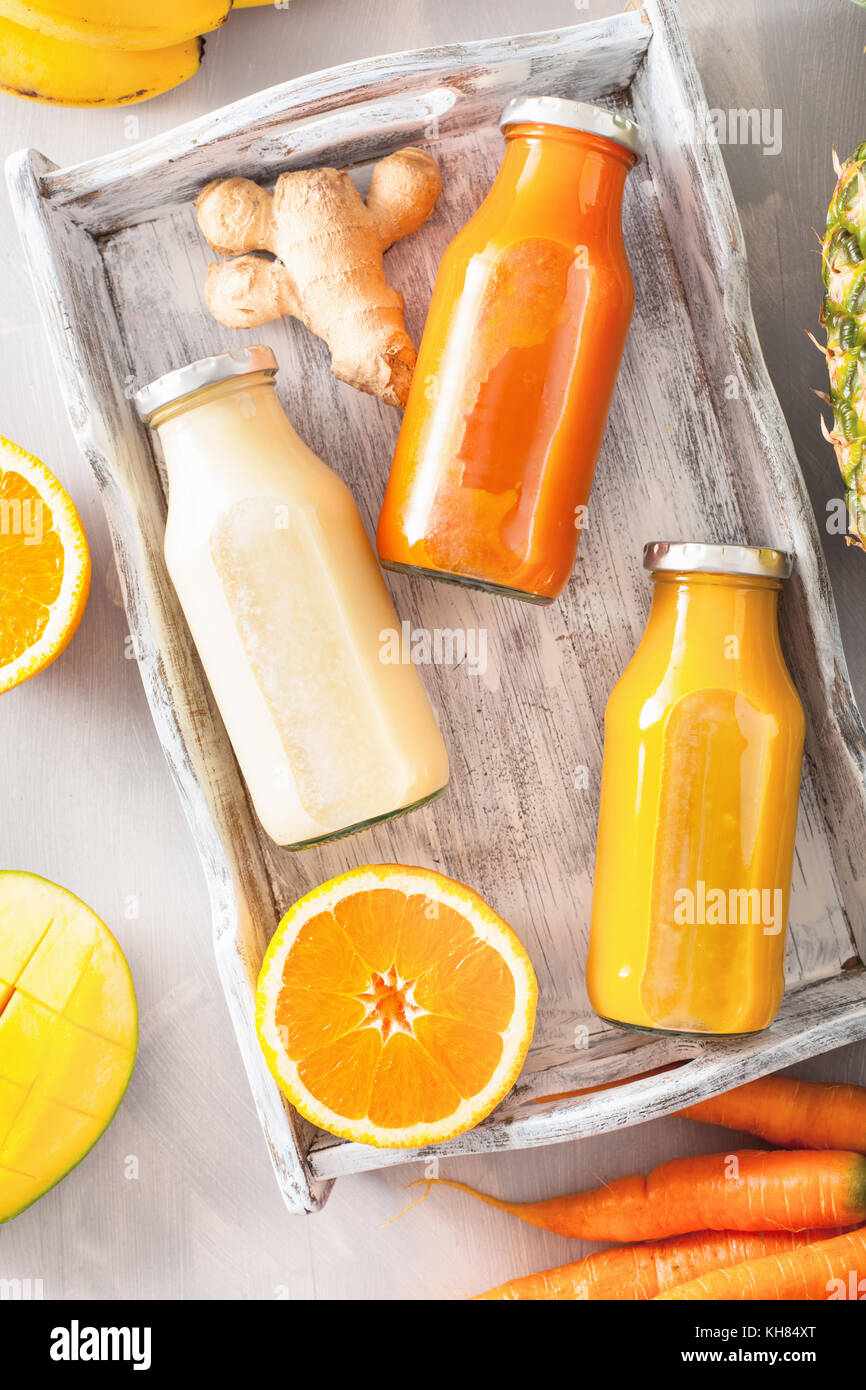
569 175
724 616
200 400
226 440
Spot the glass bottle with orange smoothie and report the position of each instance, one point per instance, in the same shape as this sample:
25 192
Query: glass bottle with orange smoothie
518 362
700 785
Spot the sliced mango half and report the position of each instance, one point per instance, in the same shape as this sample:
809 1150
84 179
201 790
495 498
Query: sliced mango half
68 1035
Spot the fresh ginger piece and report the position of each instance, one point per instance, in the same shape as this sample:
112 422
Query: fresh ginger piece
328 272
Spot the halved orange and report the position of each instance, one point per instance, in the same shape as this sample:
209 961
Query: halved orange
44 566
395 1007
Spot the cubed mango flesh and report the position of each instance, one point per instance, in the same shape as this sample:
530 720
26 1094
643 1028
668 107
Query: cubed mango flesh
68 1035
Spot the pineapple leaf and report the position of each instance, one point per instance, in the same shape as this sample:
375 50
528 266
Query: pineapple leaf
843 315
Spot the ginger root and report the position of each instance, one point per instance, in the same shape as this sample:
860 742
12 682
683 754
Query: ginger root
328 272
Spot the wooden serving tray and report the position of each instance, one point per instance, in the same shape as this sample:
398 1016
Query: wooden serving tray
696 449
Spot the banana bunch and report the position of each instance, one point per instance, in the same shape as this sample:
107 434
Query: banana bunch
99 53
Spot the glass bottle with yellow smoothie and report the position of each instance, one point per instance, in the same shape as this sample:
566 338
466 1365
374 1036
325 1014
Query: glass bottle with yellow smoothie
288 608
700 785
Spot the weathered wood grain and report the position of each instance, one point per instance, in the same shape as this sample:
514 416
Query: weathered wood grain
348 114
809 1024
119 265
764 476
77 308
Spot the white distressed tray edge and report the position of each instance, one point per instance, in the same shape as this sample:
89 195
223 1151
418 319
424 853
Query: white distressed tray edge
55 210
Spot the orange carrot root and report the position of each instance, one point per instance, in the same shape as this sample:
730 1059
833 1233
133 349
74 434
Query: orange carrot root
830 1269
639 1272
744 1191
792 1114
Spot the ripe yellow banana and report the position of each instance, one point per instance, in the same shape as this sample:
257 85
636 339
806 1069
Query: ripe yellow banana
138 24
40 68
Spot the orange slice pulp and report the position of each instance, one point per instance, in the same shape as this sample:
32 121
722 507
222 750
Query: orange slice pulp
395 1007
44 566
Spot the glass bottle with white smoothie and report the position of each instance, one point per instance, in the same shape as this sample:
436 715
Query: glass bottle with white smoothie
288 608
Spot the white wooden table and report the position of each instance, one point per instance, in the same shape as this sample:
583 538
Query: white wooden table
178 1200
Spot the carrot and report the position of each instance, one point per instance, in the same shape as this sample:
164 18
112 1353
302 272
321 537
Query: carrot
792 1114
747 1191
831 1269
642 1271
607 1085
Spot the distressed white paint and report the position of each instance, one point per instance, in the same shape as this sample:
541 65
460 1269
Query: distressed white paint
118 265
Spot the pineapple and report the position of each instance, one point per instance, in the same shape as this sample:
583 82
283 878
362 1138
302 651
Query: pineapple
843 315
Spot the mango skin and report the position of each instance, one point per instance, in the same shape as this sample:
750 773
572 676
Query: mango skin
68 1035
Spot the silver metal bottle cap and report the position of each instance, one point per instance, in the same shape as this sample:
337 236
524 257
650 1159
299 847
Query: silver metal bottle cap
692 556
574 115
208 371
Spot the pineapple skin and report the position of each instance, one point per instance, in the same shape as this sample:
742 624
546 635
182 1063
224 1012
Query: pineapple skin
843 315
